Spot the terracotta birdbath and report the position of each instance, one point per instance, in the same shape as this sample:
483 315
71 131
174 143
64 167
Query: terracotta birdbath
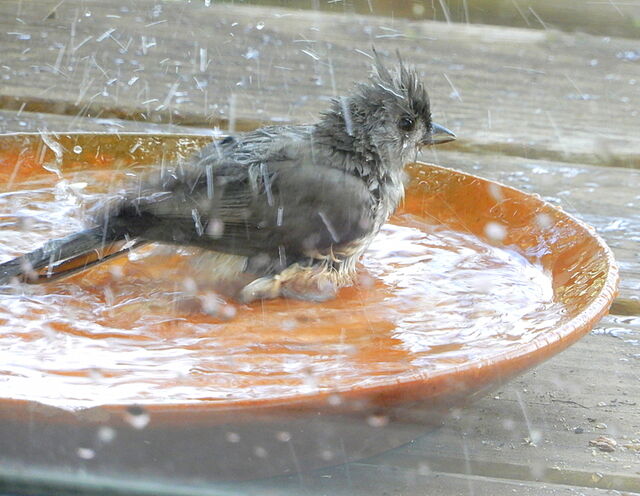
138 369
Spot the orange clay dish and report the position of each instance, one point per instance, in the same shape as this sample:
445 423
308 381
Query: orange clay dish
471 283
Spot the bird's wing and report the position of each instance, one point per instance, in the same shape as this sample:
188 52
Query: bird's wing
277 208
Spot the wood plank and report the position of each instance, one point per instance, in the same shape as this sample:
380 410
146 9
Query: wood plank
548 405
599 18
364 480
542 94
12 121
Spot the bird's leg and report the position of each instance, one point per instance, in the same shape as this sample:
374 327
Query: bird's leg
318 282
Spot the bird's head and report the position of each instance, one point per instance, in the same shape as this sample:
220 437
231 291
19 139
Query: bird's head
389 116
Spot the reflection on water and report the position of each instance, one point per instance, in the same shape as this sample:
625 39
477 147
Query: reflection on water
142 330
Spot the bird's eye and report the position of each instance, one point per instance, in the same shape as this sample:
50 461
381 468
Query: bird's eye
406 124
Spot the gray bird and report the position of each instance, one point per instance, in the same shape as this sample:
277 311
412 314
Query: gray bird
288 209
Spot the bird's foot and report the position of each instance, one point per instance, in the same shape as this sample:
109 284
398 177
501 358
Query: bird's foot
315 283
264 288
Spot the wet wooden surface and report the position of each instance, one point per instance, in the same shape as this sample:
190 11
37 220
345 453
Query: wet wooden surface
525 92
552 112
603 18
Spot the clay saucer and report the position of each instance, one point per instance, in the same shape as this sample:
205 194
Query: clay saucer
116 372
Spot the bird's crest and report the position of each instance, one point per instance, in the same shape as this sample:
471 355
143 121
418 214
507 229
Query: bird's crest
404 88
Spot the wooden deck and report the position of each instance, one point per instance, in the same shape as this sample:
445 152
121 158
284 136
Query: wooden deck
545 110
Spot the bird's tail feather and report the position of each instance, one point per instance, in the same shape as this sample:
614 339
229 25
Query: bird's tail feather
63 257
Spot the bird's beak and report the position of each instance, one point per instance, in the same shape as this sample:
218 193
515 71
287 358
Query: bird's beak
439 134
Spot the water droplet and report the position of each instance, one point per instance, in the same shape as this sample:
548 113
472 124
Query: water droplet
211 303
260 452
77 149
283 436
536 436
137 417
116 272
251 53
326 455
106 434
233 437
378 420
495 231
227 312
215 228
288 325
86 453
418 9
629 55
495 190
189 285
543 221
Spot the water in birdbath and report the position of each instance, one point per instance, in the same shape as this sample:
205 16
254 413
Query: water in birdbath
148 328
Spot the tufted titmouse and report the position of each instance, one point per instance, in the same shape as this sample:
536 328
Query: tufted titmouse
296 206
